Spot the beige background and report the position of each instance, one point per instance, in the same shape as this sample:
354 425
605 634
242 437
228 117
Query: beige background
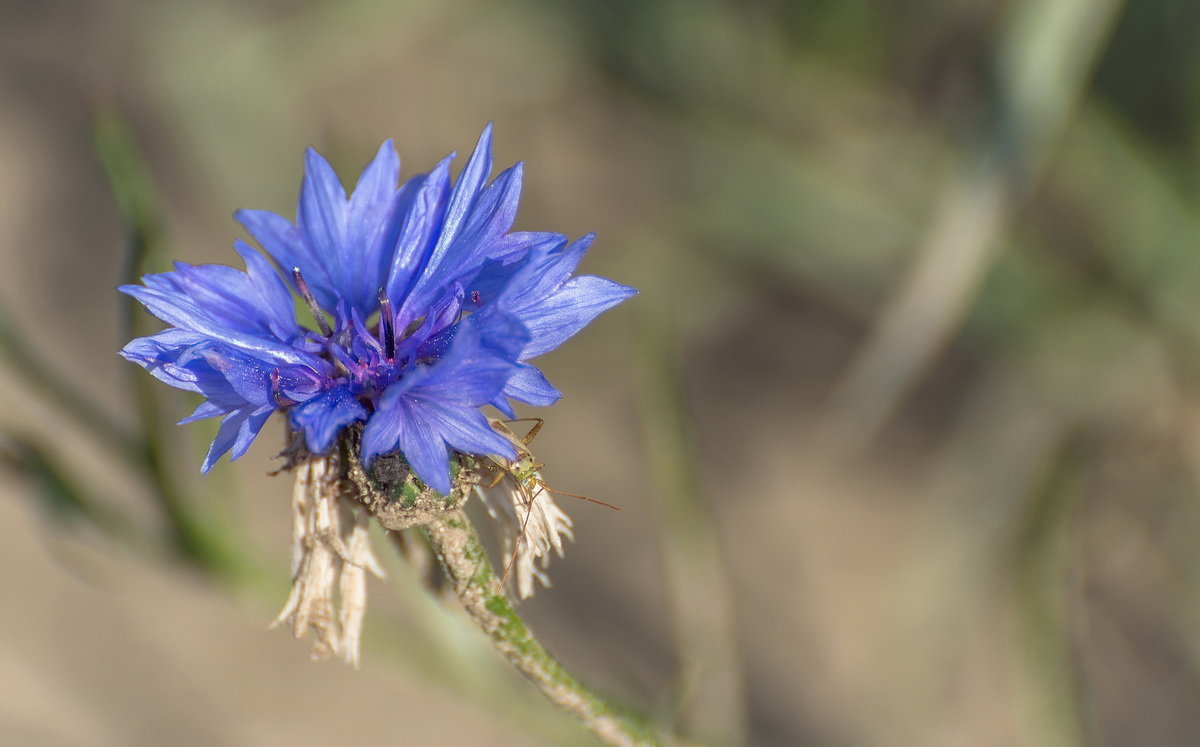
1003 554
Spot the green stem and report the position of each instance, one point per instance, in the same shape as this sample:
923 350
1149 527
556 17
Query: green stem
475 583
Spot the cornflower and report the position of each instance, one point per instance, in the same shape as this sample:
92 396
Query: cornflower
419 306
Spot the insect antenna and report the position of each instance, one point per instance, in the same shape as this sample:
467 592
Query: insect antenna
580 497
527 488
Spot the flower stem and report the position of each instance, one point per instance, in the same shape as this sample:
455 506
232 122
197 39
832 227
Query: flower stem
475 583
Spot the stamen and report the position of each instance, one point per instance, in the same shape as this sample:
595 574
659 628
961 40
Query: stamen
277 391
476 298
343 361
307 294
387 324
363 335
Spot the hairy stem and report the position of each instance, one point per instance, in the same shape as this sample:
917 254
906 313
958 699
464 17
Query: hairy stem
475 583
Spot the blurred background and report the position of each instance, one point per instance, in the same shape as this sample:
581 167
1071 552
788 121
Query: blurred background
905 424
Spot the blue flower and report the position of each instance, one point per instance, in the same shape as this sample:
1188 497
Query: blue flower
424 307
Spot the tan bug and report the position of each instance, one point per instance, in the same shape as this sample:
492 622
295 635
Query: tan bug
543 523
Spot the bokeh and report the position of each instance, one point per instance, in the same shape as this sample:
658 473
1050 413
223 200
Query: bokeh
904 425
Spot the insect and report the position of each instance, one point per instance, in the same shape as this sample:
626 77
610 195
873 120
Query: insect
523 490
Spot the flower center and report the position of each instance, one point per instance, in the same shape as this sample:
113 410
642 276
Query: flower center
364 357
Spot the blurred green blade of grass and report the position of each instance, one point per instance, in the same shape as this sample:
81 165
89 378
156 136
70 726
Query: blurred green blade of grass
711 700
1041 586
1064 38
43 378
196 536
63 497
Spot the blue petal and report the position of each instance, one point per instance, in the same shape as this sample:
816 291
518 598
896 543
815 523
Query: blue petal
382 433
205 410
374 219
181 311
540 273
548 273
514 252
321 220
374 189
402 428
463 429
237 432
226 435
437 405
505 407
342 246
237 300
466 189
476 367
540 295
275 300
283 242
229 377
517 244
249 431
470 232
459 254
432 339
323 416
158 353
570 309
530 386
422 219
422 429
490 218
